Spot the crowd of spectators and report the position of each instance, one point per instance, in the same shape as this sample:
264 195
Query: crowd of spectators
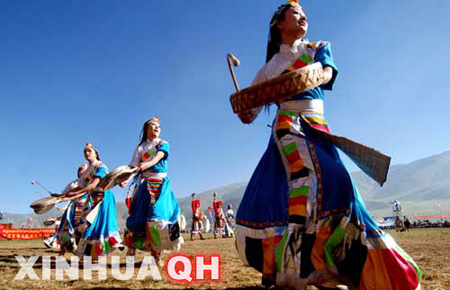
430 224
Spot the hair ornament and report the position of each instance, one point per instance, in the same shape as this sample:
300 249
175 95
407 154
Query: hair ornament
89 145
155 119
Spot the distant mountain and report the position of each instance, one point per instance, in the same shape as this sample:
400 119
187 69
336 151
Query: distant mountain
22 220
230 194
422 187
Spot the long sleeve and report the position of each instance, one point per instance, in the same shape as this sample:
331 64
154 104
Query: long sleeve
135 160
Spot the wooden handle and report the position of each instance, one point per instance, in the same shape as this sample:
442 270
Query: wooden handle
232 59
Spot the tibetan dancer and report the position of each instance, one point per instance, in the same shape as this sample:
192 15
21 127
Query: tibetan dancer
71 225
229 224
100 235
219 218
197 218
301 220
154 210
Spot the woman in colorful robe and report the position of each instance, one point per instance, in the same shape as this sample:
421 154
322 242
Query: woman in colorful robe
154 210
301 220
100 235
71 224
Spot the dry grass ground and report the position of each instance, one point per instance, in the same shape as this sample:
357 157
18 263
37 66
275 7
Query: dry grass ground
430 248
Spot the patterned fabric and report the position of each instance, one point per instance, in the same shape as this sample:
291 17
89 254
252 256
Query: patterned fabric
314 229
65 230
136 240
147 155
152 224
300 54
99 246
154 188
301 220
80 209
102 236
72 224
90 172
154 227
372 162
148 150
96 198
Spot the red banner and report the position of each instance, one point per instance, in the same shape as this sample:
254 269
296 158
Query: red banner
25 234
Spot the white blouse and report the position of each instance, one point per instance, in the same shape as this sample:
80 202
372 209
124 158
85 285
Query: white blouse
146 147
281 61
88 175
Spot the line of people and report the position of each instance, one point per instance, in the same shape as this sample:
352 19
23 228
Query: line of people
223 222
89 224
301 220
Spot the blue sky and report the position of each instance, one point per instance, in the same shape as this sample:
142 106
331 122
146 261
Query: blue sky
78 71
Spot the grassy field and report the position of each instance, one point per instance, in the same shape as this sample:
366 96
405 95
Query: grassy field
430 248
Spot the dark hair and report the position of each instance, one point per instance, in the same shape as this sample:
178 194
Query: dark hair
78 171
96 152
144 131
273 45
274 42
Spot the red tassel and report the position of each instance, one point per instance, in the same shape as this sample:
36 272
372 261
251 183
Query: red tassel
99 248
112 241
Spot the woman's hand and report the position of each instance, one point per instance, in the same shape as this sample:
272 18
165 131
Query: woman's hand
69 194
125 182
327 75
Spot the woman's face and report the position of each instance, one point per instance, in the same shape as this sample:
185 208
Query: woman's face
81 170
294 22
89 154
153 130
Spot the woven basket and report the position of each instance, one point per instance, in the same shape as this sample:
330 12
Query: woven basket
278 89
49 222
43 205
118 175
